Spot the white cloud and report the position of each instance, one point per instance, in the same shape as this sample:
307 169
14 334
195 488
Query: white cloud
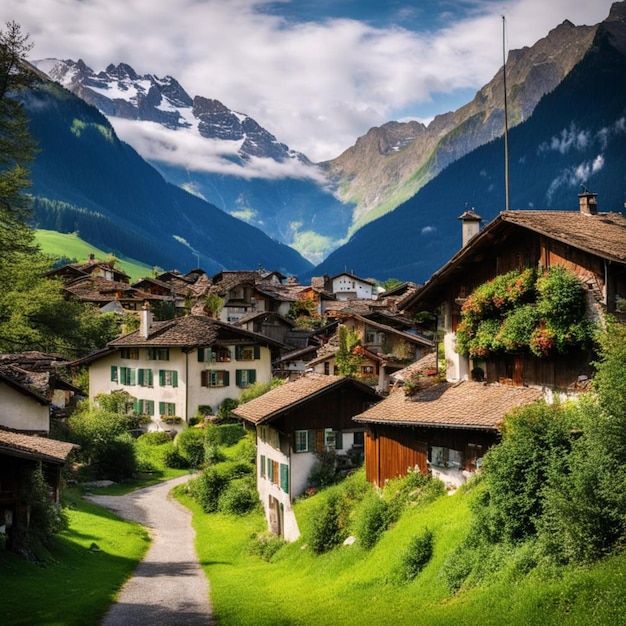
576 175
317 86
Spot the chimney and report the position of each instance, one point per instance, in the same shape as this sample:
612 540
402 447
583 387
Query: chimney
587 202
470 225
145 321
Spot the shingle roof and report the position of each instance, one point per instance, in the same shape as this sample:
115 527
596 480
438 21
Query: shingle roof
288 395
36 447
451 405
427 362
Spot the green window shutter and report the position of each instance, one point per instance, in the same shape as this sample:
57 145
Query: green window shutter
251 376
161 378
338 440
150 378
114 373
136 407
226 378
150 407
262 466
284 477
174 378
238 377
161 408
141 377
257 352
133 377
201 355
237 353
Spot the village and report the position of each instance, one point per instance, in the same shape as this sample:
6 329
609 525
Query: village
394 380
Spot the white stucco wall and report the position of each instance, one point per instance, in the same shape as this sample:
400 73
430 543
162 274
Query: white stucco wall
21 412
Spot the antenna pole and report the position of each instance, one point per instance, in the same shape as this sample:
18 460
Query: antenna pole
506 120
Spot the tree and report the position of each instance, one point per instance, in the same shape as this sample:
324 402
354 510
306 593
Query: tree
347 357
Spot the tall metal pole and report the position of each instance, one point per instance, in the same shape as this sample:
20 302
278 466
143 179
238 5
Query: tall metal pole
506 120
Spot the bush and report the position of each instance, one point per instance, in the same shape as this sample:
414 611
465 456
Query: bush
213 454
323 472
237 469
230 434
246 448
417 554
154 438
266 545
371 519
327 524
410 490
190 445
172 458
226 408
117 459
238 497
207 488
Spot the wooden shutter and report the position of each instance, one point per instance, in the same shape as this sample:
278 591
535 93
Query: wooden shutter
141 378
338 440
319 441
275 472
114 373
136 407
284 477
149 407
161 408
204 378
262 468
161 378
251 376
201 356
257 352
174 378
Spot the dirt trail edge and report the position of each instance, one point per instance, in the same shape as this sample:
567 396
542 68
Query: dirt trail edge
168 587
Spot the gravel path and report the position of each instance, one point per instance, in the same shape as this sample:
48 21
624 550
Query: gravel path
168 587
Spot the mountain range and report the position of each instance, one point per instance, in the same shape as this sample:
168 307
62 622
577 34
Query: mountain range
396 192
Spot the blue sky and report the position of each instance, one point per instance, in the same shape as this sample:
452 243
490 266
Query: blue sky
316 73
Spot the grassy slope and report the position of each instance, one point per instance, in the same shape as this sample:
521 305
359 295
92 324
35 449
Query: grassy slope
351 586
71 246
76 585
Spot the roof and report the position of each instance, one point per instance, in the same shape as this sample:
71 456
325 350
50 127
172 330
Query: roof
189 332
468 405
30 446
351 275
24 382
428 362
287 396
603 235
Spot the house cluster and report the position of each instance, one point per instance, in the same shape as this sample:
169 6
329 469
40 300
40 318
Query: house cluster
413 401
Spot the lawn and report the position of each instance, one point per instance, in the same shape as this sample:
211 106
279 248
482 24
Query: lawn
82 574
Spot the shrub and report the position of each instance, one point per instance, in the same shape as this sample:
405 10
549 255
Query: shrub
172 458
213 454
154 438
371 519
238 497
246 448
327 524
266 545
323 472
190 445
117 459
417 554
207 488
237 469
230 434
226 408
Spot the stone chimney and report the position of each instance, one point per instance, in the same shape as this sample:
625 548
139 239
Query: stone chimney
145 321
588 202
470 225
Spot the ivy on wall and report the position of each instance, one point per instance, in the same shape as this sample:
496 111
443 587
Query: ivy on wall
542 313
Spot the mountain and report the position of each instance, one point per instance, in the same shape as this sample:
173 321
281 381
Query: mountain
392 162
576 135
85 179
220 155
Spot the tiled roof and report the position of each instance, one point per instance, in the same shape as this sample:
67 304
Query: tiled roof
32 384
603 234
37 447
427 362
451 405
285 396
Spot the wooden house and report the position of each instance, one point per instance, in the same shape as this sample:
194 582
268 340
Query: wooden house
294 422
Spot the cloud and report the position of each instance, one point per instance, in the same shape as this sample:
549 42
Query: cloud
569 139
315 85
576 175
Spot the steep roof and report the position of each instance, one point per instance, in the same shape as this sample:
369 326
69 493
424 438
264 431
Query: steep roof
467 405
30 446
290 395
603 235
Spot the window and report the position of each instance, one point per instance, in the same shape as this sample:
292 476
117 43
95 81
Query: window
214 378
326 368
144 407
262 466
302 441
284 477
245 378
158 354
359 439
145 377
114 377
247 353
367 369
445 457
129 353
167 408
213 355
168 378
127 376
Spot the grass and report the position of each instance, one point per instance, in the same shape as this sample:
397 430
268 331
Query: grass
70 245
350 585
75 584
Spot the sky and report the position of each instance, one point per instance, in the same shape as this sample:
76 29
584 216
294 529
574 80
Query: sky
317 74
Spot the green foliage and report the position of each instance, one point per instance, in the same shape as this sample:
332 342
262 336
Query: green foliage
370 520
417 555
213 303
258 389
522 311
327 523
172 457
535 439
239 496
323 472
226 408
411 490
190 445
265 545
347 356
207 488
117 459
115 402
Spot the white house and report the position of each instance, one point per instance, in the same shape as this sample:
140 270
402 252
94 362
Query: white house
347 286
178 368
22 408
294 422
